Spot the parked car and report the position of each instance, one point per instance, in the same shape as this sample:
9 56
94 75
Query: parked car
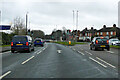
38 41
114 41
100 42
22 43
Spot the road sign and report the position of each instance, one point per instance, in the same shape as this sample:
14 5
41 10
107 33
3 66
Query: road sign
5 27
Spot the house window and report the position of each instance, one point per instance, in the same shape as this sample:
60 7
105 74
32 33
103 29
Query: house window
107 33
97 33
85 34
111 33
101 33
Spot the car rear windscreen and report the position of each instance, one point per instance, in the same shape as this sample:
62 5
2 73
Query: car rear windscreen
104 39
19 39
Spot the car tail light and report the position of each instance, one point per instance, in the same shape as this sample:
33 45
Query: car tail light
27 44
107 41
11 43
96 41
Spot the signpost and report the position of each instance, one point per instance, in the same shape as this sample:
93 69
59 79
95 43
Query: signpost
5 27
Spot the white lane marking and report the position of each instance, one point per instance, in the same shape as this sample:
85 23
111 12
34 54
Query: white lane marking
106 62
58 51
5 74
28 59
73 49
44 49
81 49
97 62
81 53
39 52
110 51
88 53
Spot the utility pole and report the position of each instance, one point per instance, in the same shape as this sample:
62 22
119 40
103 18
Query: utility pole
73 19
0 17
26 22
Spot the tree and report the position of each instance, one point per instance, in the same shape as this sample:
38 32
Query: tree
19 26
38 34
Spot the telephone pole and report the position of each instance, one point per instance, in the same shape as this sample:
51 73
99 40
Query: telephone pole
26 22
77 20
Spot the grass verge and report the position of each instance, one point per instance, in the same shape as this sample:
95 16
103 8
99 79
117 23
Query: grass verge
4 45
113 46
72 43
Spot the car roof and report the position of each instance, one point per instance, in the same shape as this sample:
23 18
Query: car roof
21 36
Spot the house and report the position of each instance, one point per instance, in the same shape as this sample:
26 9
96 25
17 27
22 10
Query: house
110 32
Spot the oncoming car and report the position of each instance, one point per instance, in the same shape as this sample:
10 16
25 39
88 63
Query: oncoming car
22 43
100 42
38 41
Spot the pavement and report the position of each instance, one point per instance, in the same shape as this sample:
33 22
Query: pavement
59 61
4 49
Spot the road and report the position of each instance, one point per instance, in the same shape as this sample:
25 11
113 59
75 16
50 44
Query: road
58 61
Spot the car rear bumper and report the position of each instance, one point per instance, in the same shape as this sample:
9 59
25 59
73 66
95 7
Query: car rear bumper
102 46
20 48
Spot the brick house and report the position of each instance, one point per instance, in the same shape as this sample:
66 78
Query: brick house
109 31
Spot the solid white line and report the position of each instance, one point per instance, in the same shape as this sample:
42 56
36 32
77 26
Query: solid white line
81 53
97 62
5 74
88 53
5 52
110 51
39 52
28 60
106 62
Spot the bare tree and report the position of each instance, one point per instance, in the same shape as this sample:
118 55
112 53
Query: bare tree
19 26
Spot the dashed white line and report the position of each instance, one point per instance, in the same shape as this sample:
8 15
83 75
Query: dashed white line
88 53
106 62
58 51
97 62
28 59
5 74
110 51
73 49
81 53
81 49
39 52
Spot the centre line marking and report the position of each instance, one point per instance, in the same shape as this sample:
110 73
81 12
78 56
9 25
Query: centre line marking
88 53
106 62
39 52
28 60
5 74
97 62
81 53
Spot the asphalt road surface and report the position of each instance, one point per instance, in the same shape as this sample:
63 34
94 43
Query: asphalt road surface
58 61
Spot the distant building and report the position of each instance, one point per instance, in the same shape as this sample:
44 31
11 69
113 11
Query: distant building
109 31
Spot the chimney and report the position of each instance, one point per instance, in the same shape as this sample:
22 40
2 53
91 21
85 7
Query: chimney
92 28
104 26
114 25
86 28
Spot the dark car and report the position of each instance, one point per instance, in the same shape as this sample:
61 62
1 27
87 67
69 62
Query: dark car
22 43
38 41
100 42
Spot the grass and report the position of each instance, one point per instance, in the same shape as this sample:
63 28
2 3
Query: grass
4 45
67 43
113 46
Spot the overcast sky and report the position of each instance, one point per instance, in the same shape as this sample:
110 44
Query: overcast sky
47 15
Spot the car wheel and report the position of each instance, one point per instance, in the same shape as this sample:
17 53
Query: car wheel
108 49
90 48
112 43
102 49
95 48
33 49
29 50
12 51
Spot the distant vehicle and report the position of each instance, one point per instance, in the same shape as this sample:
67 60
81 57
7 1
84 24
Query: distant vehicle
114 41
22 43
38 41
100 42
